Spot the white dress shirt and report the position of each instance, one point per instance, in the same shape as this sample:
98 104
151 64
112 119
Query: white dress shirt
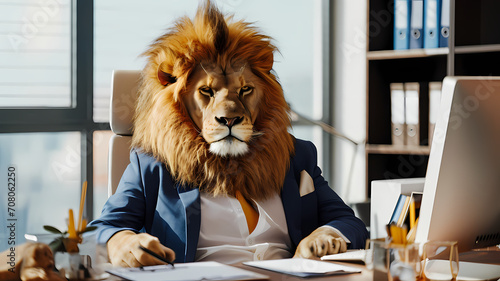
224 234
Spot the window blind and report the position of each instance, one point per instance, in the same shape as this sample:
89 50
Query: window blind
35 53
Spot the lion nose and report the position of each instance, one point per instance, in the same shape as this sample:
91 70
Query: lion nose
229 121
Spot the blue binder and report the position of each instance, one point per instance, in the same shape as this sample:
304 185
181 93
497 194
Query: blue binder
417 24
432 23
402 24
445 23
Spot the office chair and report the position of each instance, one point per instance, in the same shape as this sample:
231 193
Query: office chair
124 87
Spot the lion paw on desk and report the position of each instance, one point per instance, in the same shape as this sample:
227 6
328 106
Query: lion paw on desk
322 241
36 262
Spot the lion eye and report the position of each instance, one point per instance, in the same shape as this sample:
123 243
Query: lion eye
245 90
206 91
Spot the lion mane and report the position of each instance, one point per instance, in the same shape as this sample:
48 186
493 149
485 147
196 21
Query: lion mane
164 128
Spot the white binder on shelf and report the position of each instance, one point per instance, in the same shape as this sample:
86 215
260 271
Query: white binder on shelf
412 93
445 23
398 114
401 24
432 23
434 102
417 24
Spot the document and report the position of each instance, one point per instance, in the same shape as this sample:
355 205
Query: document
303 267
187 271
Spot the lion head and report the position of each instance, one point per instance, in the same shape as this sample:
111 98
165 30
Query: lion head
211 109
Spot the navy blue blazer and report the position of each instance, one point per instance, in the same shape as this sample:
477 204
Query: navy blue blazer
148 200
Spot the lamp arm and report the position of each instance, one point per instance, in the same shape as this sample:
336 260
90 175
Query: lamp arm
327 128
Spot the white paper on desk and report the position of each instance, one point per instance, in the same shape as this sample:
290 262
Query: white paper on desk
187 271
303 267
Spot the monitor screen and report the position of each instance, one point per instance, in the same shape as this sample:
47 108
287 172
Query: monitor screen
461 199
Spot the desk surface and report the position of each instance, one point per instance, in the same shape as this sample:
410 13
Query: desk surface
275 276
489 255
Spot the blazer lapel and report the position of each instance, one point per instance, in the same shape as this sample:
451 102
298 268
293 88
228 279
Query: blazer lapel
191 200
290 197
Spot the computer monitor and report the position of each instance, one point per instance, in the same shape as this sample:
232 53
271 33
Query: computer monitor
461 199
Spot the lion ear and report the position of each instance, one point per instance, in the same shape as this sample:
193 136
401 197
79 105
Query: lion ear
165 78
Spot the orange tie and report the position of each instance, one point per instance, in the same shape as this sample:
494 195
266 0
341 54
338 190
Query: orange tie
251 214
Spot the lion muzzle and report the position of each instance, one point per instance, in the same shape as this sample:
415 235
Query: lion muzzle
230 137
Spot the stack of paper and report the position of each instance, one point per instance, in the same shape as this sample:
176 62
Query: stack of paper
303 267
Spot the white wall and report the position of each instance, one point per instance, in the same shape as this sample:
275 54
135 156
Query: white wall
349 97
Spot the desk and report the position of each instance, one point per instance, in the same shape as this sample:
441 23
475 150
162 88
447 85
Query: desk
365 275
489 255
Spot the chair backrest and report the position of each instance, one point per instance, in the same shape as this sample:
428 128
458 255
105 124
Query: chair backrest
124 87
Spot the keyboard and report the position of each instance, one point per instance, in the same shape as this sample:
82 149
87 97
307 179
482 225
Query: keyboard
357 256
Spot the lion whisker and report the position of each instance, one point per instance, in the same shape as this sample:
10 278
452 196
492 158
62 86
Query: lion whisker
201 64
257 134
243 68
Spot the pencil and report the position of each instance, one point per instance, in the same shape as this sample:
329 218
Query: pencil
80 226
71 225
156 255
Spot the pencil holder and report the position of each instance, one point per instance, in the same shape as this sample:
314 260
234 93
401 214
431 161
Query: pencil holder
73 266
90 263
394 262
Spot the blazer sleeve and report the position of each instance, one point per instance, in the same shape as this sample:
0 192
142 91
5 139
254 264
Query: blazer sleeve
332 210
124 210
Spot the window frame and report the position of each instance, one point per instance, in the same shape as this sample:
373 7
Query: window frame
327 85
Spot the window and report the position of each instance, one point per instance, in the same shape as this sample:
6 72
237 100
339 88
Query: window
45 114
57 57
35 52
46 179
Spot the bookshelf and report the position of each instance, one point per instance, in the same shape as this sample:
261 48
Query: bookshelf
474 50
